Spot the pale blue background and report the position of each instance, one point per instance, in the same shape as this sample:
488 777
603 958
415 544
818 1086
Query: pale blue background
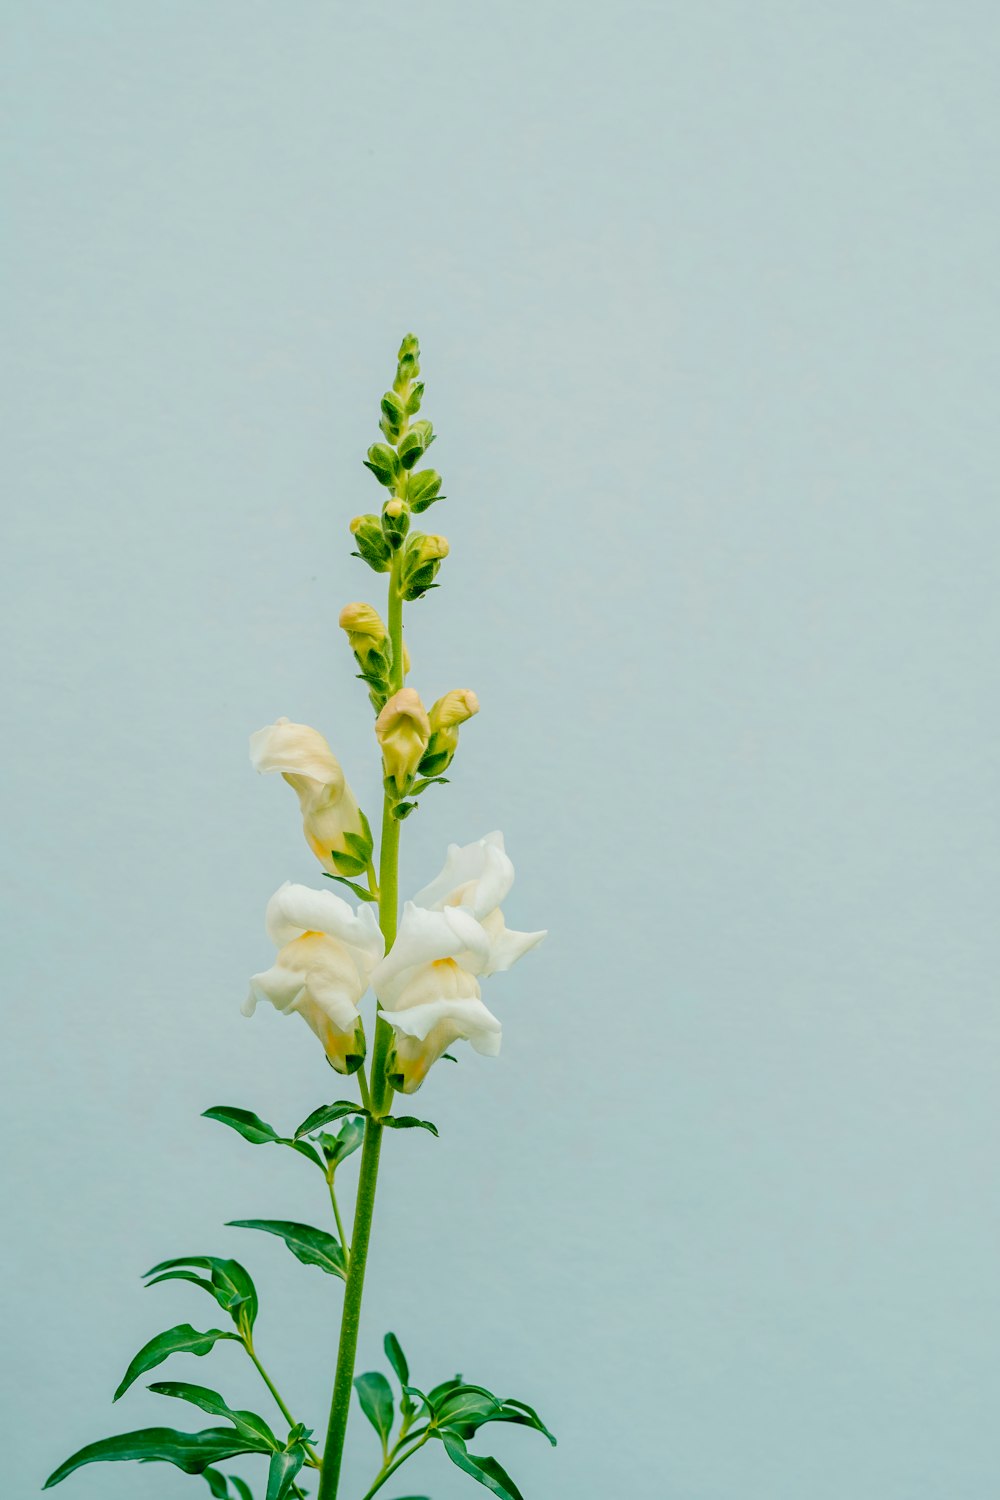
708 300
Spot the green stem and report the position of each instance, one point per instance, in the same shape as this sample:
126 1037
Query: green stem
387 1473
248 1346
336 1215
388 905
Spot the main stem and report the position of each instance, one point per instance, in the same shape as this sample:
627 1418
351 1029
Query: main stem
388 908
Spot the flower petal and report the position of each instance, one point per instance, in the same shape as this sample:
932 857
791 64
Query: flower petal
423 937
475 876
295 750
296 909
506 945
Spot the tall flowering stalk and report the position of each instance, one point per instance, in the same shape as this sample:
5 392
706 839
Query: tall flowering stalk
425 969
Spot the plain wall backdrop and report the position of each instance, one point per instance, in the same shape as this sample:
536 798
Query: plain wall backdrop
707 294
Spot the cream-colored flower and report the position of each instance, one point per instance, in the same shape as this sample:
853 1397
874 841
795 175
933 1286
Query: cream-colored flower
449 938
477 878
326 958
403 730
331 819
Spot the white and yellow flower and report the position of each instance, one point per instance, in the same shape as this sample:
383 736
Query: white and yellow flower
452 935
327 954
334 826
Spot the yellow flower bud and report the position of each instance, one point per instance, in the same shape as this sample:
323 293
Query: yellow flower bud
394 508
454 708
403 730
445 717
334 826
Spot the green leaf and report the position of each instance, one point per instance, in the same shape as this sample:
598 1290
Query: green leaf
336 1148
486 1470
352 885
241 1487
191 1451
313 1247
326 1114
250 1126
308 1151
230 1283
467 1405
394 1354
524 1416
180 1340
247 1423
283 1469
377 1402
407 1122
216 1483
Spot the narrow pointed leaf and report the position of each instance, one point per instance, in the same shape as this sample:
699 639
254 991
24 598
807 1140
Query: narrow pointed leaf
408 1122
524 1416
313 1247
281 1474
180 1340
327 1113
248 1423
359 890
191 1451
216 1483
231 1284
377 1402
250 1126
486 1470
241 1487
394 1354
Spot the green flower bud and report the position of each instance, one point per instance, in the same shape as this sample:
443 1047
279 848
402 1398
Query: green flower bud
384 464
421 561
395 523
393 418
414 399
371 544
423 488
408 367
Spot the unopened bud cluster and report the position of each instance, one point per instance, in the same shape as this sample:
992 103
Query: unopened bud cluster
379 537
417 746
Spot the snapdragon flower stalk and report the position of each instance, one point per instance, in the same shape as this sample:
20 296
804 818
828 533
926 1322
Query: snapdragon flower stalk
425 970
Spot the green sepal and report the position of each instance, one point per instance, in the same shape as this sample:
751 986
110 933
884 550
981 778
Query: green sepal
230 1284
247 1423
447 1057
371 544
486 1470
422 489
377 1402
180 1340
349 864
192 1452
384 463
434 762
360 843
326 1114
407 1122
422 785
313 1247
402 810
359 890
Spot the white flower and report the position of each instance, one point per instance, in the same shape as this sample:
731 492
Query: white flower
477 878
334 827
328 953
450 937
